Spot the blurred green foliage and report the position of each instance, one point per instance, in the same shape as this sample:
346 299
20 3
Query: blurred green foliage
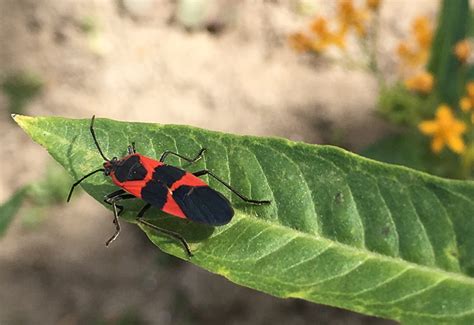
128 317
412 149
9 209
448 70
51 190
20 88
88 25
403 107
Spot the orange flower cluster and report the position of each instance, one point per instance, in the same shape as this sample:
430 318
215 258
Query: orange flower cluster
415 52
467 102
463 50
322 36
373 4
350 17
421 82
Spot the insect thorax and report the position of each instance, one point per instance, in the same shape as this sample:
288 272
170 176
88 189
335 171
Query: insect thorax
129 169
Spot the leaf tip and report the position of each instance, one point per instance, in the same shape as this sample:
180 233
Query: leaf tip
21 120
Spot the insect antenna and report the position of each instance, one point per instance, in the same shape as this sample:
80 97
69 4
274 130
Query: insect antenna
79 181
95 139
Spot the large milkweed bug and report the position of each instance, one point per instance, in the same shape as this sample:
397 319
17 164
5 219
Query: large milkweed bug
168 188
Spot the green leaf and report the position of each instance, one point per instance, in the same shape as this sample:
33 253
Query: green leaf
9 209
341 230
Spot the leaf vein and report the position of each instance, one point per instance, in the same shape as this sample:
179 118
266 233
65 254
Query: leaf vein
308 259
315 230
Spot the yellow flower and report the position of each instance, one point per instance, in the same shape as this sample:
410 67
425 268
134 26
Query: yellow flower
446 130
462 50
373 4
300 42
421 82
467 102
349 17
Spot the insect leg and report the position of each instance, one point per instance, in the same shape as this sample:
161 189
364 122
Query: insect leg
131 149
190 160
80 180
113 200
244 198
166 232
140 214
115 196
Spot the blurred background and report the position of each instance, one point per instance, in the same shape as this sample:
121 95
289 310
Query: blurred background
324 72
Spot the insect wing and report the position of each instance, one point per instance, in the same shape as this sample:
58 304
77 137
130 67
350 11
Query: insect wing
203 204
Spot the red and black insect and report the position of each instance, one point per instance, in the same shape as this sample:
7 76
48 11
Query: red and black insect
168 188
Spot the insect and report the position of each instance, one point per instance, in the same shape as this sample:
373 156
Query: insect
168 188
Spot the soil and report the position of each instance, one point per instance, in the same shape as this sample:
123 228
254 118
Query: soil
135 60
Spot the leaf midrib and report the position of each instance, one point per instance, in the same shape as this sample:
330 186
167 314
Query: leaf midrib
369 254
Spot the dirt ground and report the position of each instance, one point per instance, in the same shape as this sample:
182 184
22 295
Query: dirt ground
140 64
